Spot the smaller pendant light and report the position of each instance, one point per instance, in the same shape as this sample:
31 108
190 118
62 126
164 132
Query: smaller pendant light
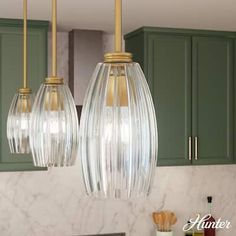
54 121
20 109
118 130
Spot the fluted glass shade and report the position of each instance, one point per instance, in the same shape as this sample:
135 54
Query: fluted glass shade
54 127
118 133
18 123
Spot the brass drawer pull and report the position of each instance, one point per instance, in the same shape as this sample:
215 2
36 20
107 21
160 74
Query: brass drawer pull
190 148
196 148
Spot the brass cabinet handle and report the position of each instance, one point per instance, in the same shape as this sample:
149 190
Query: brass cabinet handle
190 148
196 147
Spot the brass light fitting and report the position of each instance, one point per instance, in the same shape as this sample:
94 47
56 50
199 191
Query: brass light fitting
54 79
118 56
122 92
25 90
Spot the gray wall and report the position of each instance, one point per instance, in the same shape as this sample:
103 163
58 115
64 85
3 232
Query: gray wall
85 51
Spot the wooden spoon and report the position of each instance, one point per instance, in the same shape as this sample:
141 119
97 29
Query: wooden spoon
154 217
168 219
157 219
167 223
173 219
161 221
164 220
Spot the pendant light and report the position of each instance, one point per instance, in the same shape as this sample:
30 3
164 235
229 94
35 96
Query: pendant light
54 121
118 131
20 109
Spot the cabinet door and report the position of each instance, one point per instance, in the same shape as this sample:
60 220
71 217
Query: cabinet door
169 73
213 100
11 72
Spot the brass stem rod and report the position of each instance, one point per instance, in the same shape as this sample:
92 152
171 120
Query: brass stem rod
118 27
25 45
54 38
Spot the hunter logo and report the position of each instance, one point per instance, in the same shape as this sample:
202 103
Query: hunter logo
201 223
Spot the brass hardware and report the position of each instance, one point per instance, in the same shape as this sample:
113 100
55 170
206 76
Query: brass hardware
53 80
118 23
122 91
117 57
25 45
54 38
53 101
190 148
24 91
24 105
196 147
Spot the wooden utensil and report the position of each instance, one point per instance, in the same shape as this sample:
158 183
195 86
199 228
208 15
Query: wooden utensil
157 220
161 222
168 219
173 219
154 217
164 220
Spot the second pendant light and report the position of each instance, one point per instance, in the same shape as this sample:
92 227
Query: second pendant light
54 121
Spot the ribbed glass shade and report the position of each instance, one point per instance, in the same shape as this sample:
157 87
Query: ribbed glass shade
54 127
18 123
118 133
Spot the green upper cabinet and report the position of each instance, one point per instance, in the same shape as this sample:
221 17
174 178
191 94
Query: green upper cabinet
213 99
169 62
11 74
191 76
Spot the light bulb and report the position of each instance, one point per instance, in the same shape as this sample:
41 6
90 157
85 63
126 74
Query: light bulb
111 128
52 125
22 121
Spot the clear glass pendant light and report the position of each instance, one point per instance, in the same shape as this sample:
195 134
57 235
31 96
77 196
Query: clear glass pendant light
20 109
54 122
118 131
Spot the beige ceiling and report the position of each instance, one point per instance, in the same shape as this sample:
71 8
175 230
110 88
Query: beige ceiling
98 14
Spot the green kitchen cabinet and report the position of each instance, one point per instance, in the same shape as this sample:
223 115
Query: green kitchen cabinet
170 61
11 74
212 105
191 77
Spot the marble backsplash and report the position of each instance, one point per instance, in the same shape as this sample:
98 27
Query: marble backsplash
54 203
